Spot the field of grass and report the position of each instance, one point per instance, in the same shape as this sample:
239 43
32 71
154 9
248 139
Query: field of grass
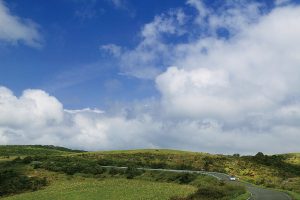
111 188
245 196
293 158
294 195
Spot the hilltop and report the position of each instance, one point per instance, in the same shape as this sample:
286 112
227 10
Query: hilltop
33 150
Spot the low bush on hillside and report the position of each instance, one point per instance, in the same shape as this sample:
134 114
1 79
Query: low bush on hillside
217 192
12 182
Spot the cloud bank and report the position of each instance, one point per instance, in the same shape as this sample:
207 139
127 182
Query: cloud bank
14 29
229 84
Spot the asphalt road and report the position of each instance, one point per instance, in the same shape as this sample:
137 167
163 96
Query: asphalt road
257 193
265 194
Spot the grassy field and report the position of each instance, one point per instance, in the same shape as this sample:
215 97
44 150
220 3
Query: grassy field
114 189
293 158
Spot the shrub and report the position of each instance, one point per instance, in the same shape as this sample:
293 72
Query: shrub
132 172
11 182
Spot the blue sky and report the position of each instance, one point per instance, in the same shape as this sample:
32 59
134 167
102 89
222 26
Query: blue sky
217 76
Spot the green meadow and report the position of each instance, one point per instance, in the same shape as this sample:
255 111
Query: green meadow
109 188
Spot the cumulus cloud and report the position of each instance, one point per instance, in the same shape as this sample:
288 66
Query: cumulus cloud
32 105
256 71
38 118
247 83
14 29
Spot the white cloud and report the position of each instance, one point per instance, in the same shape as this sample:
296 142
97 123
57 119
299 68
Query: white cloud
256 71
146 59
38 118
13 29
84 110
231 15
248 83
34 108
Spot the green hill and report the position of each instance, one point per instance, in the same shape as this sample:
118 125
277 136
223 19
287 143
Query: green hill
33 150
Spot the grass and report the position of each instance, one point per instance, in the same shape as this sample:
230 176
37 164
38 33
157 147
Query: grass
110 188
293 158
243 196
294 195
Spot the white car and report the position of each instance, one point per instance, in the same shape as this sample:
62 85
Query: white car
232 178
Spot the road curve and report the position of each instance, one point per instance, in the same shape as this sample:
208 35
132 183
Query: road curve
257 193
265 194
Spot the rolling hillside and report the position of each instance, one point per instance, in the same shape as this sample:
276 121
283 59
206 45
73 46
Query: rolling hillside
273 171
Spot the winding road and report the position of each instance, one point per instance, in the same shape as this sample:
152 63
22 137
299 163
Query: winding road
257 193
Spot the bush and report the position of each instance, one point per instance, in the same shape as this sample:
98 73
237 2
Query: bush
132 172
11 182
217 192
115 171
186 178
27 160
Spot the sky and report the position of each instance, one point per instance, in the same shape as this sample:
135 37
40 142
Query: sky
201 75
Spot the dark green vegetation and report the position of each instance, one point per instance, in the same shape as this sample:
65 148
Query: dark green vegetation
224 192
13 180
276 171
